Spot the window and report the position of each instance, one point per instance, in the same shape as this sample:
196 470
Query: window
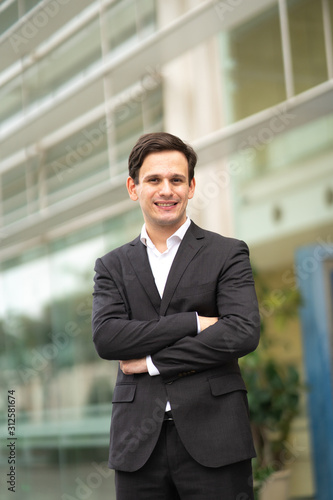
63 389
307 43
330 3
128 21
29 4
77 162
253 66
72 58
10 12
9 16
143 112
14 203
286 151
10 100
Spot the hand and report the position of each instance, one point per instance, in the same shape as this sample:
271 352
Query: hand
206 321
131 366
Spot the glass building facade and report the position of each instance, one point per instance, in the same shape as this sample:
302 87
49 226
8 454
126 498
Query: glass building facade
79 82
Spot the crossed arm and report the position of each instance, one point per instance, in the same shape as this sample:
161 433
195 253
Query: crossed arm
131 366
172 341
118 337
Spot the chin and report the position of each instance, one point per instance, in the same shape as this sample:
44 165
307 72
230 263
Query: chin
170 222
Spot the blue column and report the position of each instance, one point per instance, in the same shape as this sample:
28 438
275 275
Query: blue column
315 280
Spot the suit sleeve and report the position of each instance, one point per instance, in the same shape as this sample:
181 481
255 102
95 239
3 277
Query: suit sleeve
235 334
116 336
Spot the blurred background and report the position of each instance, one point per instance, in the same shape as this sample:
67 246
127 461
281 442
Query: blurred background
249 83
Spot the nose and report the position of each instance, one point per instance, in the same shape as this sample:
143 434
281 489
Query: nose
165 188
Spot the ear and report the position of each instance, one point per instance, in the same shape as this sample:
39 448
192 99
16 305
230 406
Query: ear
192 189
131 188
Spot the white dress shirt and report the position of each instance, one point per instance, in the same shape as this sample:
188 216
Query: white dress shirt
160 264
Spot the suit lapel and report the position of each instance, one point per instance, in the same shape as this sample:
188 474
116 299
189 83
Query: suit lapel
137 254
189 247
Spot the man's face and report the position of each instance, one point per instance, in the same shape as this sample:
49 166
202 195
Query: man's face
163 189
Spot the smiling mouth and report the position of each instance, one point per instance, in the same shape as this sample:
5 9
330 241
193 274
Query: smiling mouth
166 204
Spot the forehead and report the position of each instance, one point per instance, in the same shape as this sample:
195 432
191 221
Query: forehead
164 163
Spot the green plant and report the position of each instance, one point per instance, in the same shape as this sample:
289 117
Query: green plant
274 393
274 386
260 476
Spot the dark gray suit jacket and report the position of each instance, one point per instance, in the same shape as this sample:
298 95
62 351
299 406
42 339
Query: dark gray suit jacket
200 376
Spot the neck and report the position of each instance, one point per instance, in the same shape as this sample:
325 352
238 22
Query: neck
160 234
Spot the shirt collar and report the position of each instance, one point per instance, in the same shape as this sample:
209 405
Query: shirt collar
179 234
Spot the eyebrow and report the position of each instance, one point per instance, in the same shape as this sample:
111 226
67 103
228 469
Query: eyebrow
173 176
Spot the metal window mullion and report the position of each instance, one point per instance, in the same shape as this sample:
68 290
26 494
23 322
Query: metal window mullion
328 37
138 23
20 8
144 112
29 181
42 183
108 92
286 49
1 207
28 186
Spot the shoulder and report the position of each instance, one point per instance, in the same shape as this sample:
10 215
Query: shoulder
119 253
218 240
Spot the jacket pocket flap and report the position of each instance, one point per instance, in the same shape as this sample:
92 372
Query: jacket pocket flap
226 383
123 393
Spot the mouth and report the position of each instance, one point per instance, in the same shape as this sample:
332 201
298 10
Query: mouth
166 204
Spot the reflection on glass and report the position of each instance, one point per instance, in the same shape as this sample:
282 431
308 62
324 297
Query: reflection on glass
70 59
146 17
29 4
153 110
128 121
121 22
10 100
33 174
330 3
78 162
19 191
143 112
253 66
128 21
307 43
9 16
63 389
288 150
13 188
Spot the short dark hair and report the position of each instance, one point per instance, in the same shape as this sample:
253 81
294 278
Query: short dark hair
155 142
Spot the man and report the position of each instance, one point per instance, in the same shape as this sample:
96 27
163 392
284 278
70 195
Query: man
177 308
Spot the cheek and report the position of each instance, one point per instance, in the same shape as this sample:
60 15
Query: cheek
147 196
145 193
186 194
